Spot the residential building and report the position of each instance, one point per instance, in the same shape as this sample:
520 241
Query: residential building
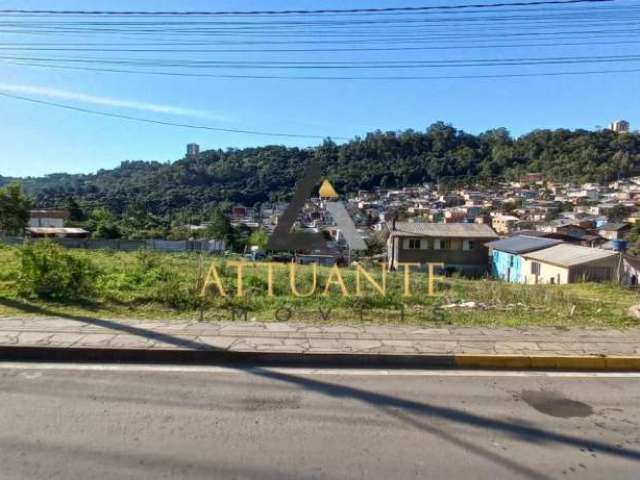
506 255
630 275
530 178
193 149
48 218
504 224
614 231
619 126
565 263
459 246
56 232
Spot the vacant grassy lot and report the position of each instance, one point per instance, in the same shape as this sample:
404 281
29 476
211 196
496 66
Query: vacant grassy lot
158 285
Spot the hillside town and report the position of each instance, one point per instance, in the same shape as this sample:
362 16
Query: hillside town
567 232
528 231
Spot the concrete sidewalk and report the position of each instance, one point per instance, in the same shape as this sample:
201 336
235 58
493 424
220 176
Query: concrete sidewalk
371 342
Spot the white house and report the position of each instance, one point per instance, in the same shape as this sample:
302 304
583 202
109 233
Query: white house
565 263
48 218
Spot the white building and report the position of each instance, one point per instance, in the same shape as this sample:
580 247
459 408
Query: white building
619 126
47 218
565 263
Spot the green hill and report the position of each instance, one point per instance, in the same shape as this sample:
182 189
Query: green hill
190 186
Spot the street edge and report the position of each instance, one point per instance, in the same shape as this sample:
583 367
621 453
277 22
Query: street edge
327 360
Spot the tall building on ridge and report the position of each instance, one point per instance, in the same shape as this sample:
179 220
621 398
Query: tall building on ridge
619 126
193 149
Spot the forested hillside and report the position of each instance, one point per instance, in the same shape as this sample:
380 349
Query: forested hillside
191 187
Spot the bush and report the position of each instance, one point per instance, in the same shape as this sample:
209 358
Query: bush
175 294
49 271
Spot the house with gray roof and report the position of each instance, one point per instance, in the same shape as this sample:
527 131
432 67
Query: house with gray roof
565 263
506 255
460 247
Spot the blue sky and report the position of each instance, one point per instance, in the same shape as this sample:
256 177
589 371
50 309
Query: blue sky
39 139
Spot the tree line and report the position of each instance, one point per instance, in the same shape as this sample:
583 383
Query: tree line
152 195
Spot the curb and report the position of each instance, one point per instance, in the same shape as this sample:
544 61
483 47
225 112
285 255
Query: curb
559 362
326 360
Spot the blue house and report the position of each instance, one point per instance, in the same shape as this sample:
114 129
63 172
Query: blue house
506 259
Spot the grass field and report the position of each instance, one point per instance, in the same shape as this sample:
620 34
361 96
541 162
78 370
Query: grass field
160 285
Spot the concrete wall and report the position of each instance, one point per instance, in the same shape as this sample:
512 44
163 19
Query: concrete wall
548 273
206 246
46 222
630 274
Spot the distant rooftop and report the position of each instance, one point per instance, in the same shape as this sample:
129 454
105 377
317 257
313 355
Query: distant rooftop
443 230
522 244
567 255
56 231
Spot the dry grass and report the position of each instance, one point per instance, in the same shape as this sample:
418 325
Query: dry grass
156 285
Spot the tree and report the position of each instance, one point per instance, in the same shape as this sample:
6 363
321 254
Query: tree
181 191
103 224
258 238
220 227
75 212
14 209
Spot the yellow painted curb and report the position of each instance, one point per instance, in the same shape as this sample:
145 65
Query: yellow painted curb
548 362
623 363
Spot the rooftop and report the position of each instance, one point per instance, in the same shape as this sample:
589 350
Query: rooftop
56 231
522 244
443 230
613 227
566 255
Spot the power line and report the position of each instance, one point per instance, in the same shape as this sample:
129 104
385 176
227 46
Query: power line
160 122
301 12
338 65
305 50
332 77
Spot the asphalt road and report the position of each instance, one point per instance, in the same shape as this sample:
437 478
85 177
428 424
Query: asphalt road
139 422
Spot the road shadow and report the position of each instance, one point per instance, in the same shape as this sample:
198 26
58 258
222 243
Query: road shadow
416 413
110 324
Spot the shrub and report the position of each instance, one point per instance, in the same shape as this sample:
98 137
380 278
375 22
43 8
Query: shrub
49 271
175 294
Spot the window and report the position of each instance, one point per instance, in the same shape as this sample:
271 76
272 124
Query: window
414 243
535 268
468 245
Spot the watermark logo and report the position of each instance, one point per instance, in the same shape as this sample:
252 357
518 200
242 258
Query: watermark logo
283 236
286 238
334 283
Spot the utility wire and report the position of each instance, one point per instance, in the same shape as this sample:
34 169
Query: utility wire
303 12
159 122
340 65
4 47
333 77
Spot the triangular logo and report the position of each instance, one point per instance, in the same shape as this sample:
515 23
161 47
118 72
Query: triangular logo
327 190
283 236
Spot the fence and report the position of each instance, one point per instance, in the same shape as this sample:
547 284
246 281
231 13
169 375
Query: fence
204 246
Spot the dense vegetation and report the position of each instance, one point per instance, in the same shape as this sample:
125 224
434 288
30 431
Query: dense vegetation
188 189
